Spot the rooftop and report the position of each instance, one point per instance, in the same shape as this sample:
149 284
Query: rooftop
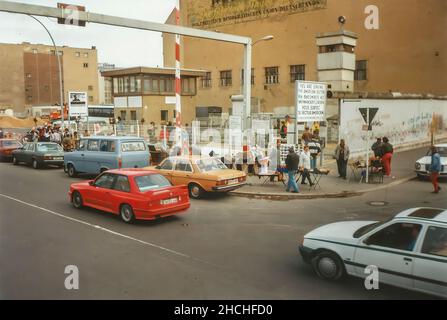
434 214
151 70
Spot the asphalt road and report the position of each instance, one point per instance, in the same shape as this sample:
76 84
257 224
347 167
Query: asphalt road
224 247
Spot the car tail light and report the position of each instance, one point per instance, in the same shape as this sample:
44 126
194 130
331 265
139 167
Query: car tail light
221 182
120 163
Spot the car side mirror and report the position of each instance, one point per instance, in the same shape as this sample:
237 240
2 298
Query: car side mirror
91 182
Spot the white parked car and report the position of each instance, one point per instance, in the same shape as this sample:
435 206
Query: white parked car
422 165
410 250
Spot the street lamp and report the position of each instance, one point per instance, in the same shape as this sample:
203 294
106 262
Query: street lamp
247 75
60 70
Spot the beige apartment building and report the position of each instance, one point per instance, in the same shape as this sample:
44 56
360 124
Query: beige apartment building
406 54
29 74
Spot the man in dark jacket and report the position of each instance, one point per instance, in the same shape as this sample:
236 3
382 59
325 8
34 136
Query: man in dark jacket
292 162
377 147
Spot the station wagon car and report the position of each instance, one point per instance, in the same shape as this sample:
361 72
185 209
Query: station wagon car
98 154
201 174
39 154
422 166
409 250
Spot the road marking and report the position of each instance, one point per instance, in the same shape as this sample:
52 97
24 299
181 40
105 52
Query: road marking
101 228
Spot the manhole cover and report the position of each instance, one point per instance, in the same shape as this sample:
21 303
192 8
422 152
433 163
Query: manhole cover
378 203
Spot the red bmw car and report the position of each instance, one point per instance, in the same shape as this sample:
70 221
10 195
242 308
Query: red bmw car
131 194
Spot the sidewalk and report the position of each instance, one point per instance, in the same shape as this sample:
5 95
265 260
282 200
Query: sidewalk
331 185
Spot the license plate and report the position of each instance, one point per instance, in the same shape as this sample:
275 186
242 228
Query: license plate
233 181
169 201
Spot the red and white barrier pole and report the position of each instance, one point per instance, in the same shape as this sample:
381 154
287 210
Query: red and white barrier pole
178 83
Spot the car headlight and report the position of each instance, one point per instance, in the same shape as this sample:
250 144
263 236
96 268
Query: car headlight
418 166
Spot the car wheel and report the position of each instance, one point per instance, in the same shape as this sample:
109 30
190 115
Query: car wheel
71 171
14 161
77 201
126 213
35 164
195 191
327 265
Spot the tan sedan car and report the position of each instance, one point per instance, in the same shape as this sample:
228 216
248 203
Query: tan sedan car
201 174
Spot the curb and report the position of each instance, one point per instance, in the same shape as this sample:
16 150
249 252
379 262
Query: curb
343 194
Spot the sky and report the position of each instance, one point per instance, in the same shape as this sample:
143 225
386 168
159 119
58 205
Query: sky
120 46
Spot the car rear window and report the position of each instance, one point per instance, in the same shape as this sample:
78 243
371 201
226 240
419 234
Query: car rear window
46 147
151 182
132 146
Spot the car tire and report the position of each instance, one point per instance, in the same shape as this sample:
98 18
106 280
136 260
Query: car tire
195 191
76 200
71 171
126 213
328 266
15 161
35 164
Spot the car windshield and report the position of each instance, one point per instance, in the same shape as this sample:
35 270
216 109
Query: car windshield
206 165
11 144
441 150
151 182
369 227
48 147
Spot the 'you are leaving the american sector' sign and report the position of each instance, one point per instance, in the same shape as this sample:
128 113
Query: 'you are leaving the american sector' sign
310 101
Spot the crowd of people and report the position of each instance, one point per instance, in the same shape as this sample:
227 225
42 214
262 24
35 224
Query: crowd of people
67 138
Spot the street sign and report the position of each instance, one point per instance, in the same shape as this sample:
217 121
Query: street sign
310 101
73 18
77 104
372 114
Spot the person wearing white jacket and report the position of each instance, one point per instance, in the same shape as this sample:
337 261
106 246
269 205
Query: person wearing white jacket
305 165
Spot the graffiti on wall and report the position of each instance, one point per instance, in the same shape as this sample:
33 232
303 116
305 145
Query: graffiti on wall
212 13
404 122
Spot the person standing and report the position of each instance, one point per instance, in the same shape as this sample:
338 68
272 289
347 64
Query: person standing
292 162
305 165
387 156
314 149
435 168
307 135
377 148
1 133
342 157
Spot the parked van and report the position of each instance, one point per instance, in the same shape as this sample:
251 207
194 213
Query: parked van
97 154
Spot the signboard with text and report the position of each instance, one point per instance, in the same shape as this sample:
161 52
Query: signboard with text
310 101
77 104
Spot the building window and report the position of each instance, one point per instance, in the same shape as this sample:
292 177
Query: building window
90 88
133 115
34 51
123 115
272 75
77 54
252 76
188 86
226 78
297 72
164 115
90 98
360 70
206 80
46 87
85 65
132 84
85 54
28 75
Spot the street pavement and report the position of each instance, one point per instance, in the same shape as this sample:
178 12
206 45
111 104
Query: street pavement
224 247
402 166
